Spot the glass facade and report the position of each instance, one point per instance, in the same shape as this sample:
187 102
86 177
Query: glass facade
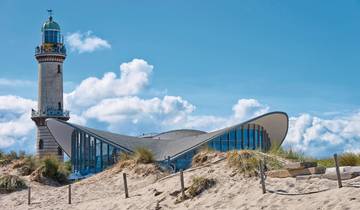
251 136
91 154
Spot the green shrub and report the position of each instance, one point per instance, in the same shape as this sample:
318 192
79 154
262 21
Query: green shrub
143 155
326 162
29 164
124 156
245 161
54 169
199 184
10 183
68 165
349 159
51 165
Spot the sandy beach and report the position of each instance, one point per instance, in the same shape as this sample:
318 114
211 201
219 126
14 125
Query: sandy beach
231 191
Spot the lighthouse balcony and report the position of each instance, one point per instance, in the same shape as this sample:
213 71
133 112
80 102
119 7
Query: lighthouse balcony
50 113
50 50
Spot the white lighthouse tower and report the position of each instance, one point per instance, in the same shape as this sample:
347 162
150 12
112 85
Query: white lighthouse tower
50 55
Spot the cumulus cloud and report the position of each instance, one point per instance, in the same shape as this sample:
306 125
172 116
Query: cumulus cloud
134 113
116 102
15 124
86 42
321 137
245 109
134 76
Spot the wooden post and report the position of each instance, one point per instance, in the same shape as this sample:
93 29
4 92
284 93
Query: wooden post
262 177
29 195
337 171
125 186
69 195
182 184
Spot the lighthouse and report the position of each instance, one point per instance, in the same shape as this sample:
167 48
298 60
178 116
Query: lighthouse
50 55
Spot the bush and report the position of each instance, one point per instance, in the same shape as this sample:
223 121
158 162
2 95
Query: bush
327 162
203 156
199 184
143 155
68 166
29 164
349 159
54 169
51 166
124 156
10 183
244 161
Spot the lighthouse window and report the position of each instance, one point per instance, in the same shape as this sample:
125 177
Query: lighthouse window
59 151
41 144
59 69
59 105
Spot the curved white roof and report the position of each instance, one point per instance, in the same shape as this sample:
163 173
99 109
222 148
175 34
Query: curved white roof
171 143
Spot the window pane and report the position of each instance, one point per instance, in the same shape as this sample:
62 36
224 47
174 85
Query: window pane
232 140
98 155
261 139
239 139
251 137
217 144
224 143
111 155
105 154
246 138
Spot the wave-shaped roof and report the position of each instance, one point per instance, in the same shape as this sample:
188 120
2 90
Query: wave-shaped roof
168 144
175 134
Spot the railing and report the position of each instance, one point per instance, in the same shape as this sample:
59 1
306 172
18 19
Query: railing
51 50
50 113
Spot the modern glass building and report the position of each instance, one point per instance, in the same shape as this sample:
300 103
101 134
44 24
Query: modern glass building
92 150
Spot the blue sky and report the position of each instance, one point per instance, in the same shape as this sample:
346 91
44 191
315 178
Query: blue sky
299 57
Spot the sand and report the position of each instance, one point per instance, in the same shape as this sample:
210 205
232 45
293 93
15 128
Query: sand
106 191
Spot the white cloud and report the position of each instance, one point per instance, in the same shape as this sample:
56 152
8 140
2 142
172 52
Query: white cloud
131 113
134 76
246 109
86 42
117 103
320 137
16 126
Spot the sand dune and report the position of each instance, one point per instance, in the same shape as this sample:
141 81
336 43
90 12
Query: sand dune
105 191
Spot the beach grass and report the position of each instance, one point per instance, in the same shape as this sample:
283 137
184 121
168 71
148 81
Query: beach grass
10 183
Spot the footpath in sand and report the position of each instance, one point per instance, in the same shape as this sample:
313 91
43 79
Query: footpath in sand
149 191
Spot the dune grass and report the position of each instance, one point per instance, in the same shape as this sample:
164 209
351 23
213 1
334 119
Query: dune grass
200 184
247 162
10 183
345 159
202 156
54 169
143 155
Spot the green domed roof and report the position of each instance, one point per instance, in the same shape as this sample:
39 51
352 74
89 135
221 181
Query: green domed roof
50 24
